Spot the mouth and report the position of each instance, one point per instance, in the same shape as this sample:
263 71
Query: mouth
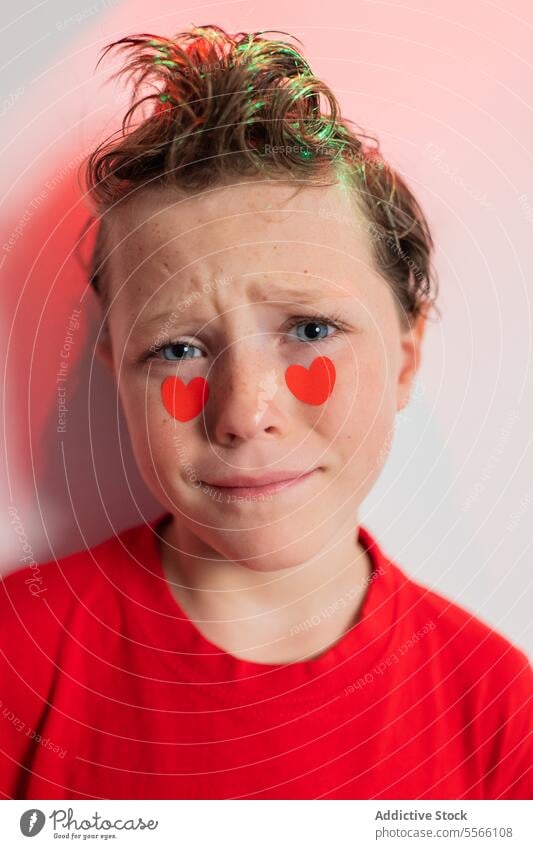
268 484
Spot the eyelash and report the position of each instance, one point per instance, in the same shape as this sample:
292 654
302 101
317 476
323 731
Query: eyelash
320 318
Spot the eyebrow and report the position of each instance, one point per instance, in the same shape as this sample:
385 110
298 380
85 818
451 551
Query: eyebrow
294 295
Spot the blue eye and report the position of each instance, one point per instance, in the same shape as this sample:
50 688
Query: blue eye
311 328
178 351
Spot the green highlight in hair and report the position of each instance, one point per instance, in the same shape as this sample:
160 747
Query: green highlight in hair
168 62
163 48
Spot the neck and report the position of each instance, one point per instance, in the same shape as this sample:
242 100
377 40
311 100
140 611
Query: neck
268 616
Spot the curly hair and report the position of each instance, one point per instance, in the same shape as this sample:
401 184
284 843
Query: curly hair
207 107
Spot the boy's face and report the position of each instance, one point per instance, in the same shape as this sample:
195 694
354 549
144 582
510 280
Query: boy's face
218 279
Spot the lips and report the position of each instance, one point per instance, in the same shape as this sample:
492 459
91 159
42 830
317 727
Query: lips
258 480
269 482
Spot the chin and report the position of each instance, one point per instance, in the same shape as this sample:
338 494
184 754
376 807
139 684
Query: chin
264 549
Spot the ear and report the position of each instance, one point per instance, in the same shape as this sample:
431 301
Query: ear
104 348
411 344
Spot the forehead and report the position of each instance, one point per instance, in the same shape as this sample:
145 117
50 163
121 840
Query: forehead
251 228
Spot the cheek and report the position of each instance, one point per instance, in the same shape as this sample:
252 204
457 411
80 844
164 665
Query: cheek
155 436
360 412
314 385
184 401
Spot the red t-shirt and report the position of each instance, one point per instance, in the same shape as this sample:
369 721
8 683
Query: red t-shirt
108 690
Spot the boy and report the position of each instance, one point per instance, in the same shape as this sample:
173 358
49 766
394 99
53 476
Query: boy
253 641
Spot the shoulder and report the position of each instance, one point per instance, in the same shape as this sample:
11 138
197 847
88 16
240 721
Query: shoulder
473 669
469 662
457 644
55 581
50 613
461 632
43 597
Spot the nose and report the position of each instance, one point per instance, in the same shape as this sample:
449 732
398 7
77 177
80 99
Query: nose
246 396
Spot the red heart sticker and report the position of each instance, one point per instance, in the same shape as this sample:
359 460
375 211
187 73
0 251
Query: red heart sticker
313 385
184 402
